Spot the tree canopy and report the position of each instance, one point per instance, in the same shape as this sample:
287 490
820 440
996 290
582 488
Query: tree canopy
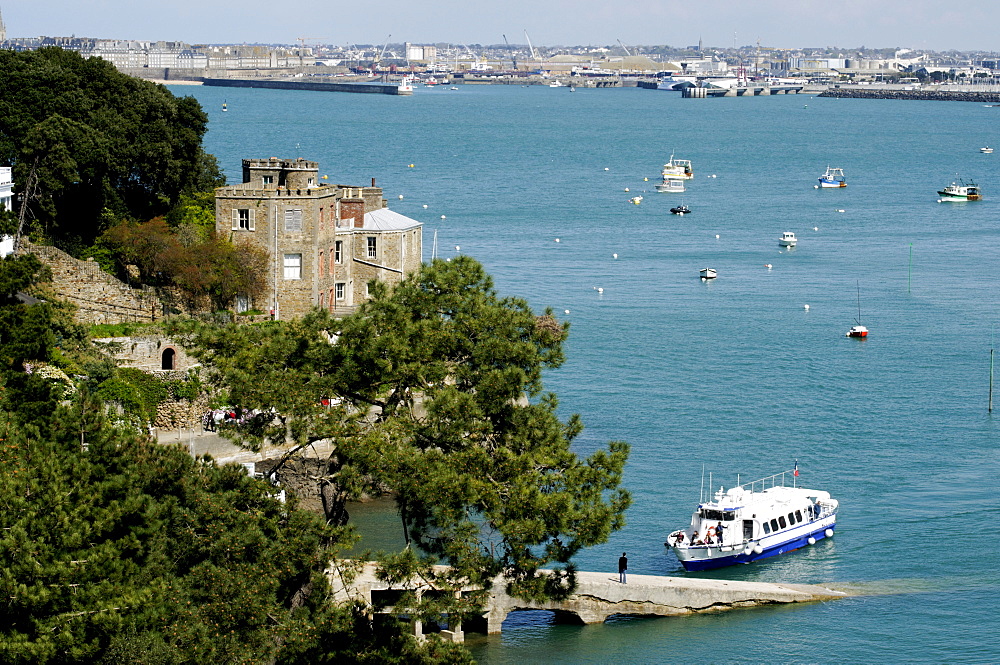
432 393
90 145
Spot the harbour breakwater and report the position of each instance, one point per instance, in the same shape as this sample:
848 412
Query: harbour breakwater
920 95
322 86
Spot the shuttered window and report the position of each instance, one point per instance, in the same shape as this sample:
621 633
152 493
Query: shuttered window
293 221
243 219
293 266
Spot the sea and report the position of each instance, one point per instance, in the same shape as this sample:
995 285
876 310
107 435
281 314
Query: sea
732 379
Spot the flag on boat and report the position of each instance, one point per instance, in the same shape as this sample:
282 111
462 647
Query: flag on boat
796 472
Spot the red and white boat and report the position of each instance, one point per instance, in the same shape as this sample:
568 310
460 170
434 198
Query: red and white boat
858 330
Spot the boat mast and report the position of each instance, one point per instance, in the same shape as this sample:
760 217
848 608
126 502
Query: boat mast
859 302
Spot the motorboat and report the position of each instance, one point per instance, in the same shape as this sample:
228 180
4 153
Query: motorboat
670 185
680 210
832 178
224 107
858 330
556 84
960 191
787 239
707 273
678 168
754 521
986 150
636 200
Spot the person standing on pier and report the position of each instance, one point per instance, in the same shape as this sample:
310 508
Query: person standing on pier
622 567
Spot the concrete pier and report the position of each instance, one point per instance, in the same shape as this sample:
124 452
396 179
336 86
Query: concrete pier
600 595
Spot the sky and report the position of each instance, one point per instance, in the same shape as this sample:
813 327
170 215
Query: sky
917 24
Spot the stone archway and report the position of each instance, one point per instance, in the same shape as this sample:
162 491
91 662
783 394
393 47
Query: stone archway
168 360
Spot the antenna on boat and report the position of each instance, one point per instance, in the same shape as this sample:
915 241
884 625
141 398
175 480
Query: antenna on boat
990 408
701 493
859 303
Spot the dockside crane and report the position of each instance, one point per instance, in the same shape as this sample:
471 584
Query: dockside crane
512 56
623 48
378 58
534 56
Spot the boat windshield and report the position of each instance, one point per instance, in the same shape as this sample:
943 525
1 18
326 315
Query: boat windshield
723 515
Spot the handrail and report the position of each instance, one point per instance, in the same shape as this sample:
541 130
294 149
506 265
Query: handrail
774 483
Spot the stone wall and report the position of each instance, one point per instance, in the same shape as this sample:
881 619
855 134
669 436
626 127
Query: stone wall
188 414
149 353
98 296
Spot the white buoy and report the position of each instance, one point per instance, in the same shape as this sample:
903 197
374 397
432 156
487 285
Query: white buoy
840 210
443 217
815 186
815 228
600 289
606 168
614 256
557 239
626 189
400 197
714 176
457 248
768 266
425 206
716 236
805 306
645 179
566 311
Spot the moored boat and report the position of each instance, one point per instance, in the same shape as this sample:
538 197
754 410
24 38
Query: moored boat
787 239
670 184
986 150
707 273
857 331
960 191
678 168
832 178
680 210
754 521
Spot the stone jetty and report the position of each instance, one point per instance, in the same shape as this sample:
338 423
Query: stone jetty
599 596
921 95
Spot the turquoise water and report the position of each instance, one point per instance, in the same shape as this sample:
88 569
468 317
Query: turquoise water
735 374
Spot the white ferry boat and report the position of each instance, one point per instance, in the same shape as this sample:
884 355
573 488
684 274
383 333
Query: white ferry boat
678 168
754 521
832 178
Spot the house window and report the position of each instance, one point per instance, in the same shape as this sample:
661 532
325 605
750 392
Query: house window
268 179
339 251
293 221
293 266
243 219
322 264
340 290
322 298
372 248
332 302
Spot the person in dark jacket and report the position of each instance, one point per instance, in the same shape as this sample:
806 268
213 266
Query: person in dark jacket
622 567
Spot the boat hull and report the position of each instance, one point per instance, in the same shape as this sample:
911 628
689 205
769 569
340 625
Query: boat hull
714 557
824 184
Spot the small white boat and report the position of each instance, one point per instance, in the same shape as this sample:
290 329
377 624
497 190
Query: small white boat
787 239
960 191
678 168
224 107
986 150
636 200
832 178
671 185
858 330
707 273
754 521
556 84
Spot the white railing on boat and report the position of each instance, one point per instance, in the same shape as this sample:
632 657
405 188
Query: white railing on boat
777 480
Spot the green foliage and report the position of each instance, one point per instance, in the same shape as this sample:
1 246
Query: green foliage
114 550
139 393
439 402
204 265
99 144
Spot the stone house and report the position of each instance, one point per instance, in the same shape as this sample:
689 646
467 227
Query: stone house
326 242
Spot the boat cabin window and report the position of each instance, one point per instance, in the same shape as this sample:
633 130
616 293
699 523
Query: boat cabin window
721 515
791 518
798 516
774 525
781 521
767 527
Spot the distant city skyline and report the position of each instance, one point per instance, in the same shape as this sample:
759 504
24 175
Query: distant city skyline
846 24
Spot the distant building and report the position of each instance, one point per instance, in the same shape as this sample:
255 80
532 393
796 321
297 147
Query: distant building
6 188
326 242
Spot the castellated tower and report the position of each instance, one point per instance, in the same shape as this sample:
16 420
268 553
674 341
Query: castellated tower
326 242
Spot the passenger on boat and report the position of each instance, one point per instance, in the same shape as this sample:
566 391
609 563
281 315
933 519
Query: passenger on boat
718 532
679 538
816 510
